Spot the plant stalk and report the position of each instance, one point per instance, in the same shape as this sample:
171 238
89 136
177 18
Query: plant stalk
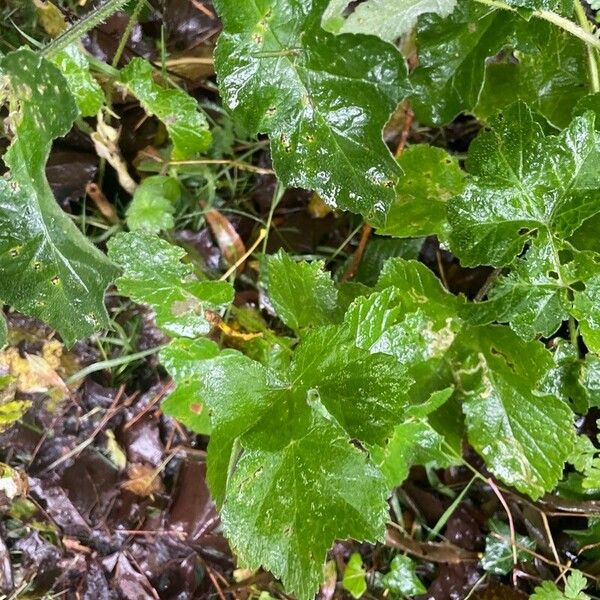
592 54
82 26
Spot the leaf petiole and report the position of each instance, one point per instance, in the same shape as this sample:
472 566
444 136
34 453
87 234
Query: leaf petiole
591 52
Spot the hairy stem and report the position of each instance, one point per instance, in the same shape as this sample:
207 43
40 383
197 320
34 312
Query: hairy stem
592 53
80 28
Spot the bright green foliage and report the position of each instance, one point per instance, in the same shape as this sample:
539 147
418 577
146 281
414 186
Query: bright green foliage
431 178
11 411
187 126
310 431
498 375
526 187
583 454
402 580
414 442
574 379
300 483
302 293
549 73
529 192
354 580
153 204
533 61
154 274
413 318
452 58
74 66
388 19
574 587
180 358
591 479
49 269
323 99
417 322
498 555
586 307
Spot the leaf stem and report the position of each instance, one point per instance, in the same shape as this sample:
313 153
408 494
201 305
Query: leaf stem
551 17
574 333
110 363
80 28
131 23
592 55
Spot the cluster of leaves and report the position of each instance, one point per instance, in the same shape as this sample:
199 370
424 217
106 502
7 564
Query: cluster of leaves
311 431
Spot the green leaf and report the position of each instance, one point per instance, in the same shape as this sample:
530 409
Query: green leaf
185 403
525 187
413 319
402 579
431 178
574 587
327 362
294 492
153 204
498 373
153 274
584 452
545 286
480 60
281 459
281 74
498 555
591 479
303 294
354 580
586 308
11 411
186 124
527 194
452 59
387 19
546 69
74 66
574 379
49 269
392 322
414 442
377 252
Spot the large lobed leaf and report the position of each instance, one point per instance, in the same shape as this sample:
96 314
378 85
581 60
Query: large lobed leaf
524 437
323 99
49 269
493 372
299 482
528 193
